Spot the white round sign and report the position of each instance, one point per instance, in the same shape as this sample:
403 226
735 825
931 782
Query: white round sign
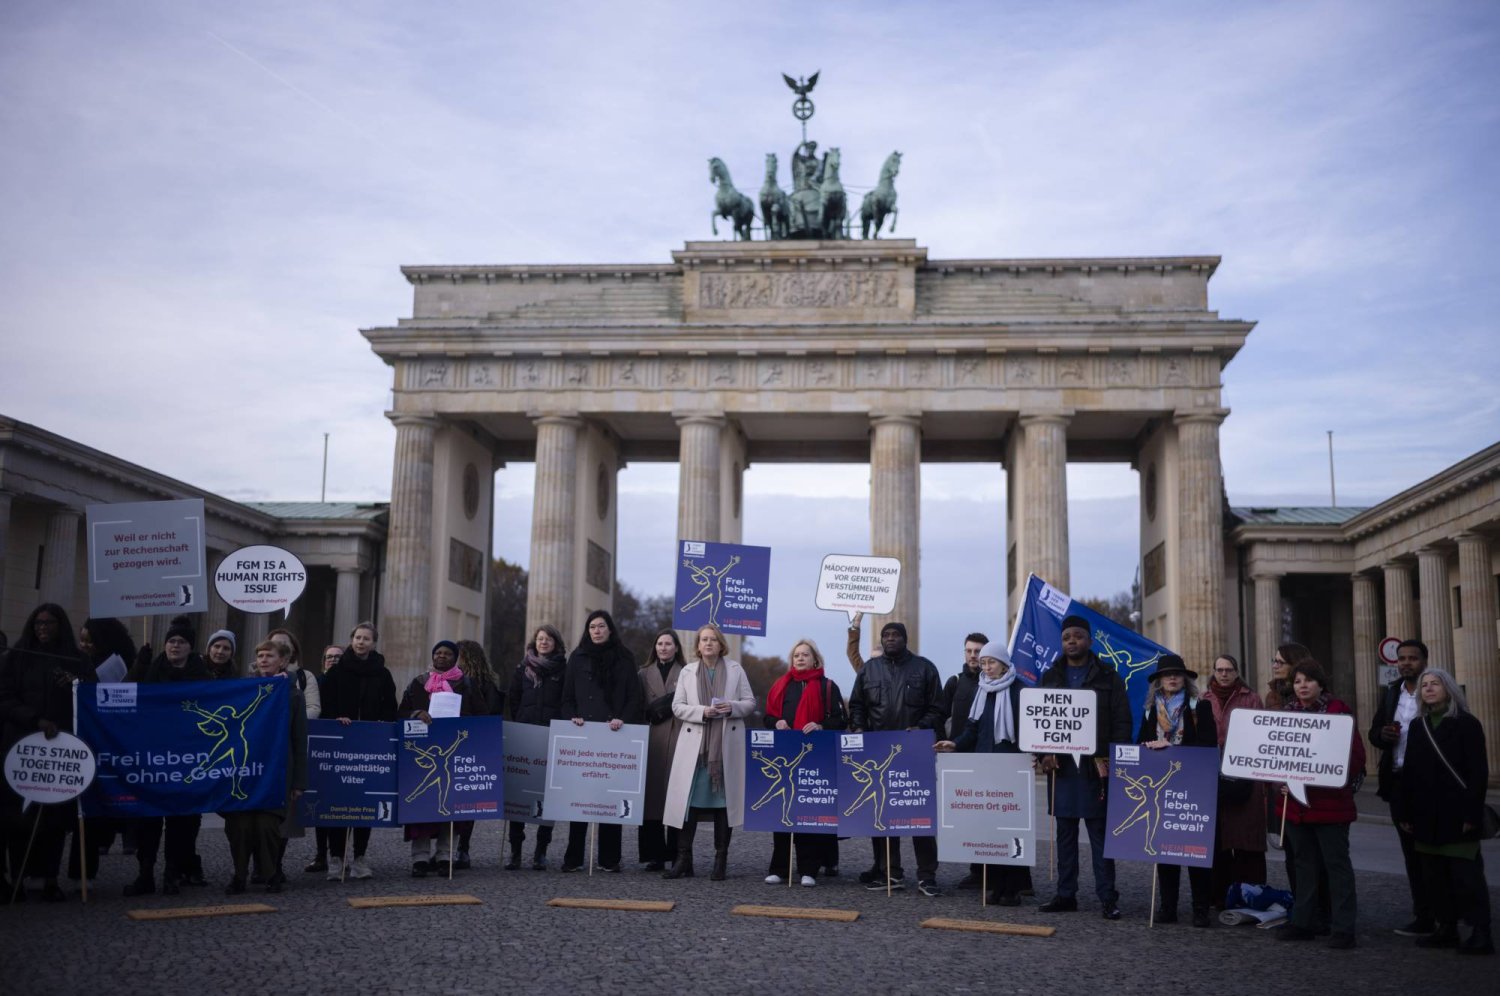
56 770
260 579
1388 648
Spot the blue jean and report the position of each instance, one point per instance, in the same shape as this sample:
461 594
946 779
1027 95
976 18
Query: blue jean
1067 860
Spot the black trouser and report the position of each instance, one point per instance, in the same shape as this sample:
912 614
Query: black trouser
815 851
182 844
98 833
609 845
256 834
336 841
924 847
656 842
1421 900
1325 902
465 831
1200 880
1005 880
1458 889
320 842
518 836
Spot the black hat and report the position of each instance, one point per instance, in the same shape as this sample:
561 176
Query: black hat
1078 621
1170 664
898 627
183 629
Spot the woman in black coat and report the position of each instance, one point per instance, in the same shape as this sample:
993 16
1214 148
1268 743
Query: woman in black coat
1175 716
599 686
359 687
536 690
1441 804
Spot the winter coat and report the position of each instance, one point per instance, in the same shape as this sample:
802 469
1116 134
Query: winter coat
978 737
688 708
1385 714
307 687
958 699
1198 727
1430 798
416 698
1328 805
1079 791
360 689
540 704
1241 826
897 694
36 686
662 744
194 669
835 714
619 698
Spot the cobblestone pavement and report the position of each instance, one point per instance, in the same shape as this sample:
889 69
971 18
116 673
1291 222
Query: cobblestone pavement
514 943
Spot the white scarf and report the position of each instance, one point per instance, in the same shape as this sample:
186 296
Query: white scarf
1004 722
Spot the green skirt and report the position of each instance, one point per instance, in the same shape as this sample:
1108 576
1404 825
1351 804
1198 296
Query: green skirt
703 795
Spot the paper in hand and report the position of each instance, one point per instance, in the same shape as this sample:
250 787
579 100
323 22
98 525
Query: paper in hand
444 705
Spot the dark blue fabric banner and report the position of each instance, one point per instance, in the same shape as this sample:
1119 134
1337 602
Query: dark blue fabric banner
174 748
1161 805
351 774
726 584
887 784
452 770
791 781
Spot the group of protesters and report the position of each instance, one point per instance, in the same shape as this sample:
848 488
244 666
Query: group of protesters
698 703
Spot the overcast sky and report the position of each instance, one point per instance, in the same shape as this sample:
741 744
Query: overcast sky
203 203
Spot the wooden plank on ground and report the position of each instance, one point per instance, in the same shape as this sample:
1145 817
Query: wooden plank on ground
797 913
986 927
188 912
381 902
630 905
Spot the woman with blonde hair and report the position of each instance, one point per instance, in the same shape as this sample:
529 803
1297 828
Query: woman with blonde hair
712 700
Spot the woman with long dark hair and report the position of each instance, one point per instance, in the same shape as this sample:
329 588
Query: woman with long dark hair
536 689
358 687
656 842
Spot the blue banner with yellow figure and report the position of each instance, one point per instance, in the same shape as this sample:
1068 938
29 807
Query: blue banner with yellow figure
175 748
726 584
792 781
1161 805
451 769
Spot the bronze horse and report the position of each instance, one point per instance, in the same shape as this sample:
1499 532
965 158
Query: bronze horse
729 202
775 206
881 201
833 201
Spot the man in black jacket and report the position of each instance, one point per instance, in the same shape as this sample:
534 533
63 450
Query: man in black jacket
958 699
898 691
1399 705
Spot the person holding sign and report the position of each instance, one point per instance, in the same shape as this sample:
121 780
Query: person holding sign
1319 832
990 727
535 697
1176 716
805 700
1441 806
712 699
656 844
36 695
599 686
359 687
106 644
1077 788
446 677
1240 824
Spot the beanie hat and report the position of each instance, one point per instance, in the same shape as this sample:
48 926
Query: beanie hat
898 627
1078 621
996 650
184 630
223 634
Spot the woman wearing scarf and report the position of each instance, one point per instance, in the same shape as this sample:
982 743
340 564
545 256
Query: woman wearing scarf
1318 833
535 697
1240 825
994 719
804 700
659 677
485 699
708 769
1176 717
357 688
599 686
445 676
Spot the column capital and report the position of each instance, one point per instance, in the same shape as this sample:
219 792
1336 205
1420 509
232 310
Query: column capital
402 419
555 418
1267 575
1362 576
1431 550
66 510
1212 416
896 418
1044 418
1470 536
1392 566
700 418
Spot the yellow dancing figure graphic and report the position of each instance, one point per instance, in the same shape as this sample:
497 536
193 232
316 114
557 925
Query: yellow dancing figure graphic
779 770
870 776
232 745
710 582
1126 666
435 761
1146 794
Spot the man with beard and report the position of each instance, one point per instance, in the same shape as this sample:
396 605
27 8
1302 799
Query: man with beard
1388 731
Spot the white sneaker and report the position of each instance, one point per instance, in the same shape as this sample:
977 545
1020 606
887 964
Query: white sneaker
808 881
335 869
360 868
773 879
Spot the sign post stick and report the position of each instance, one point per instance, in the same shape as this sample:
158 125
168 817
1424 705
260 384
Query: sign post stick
1155 871
450 850
1281 837
83 878
1052 850
984 885
593 836
888 868
344 868
26 858
792 850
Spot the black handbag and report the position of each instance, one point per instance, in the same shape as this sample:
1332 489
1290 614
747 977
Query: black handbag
659 710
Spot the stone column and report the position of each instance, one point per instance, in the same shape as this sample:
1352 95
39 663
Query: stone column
699 477
1400 605
1367 638
60 558
1478 669
216 616
257 625
1437 621
554 534
896 514
1200 531
1044 500
407 603
1267 628
345 603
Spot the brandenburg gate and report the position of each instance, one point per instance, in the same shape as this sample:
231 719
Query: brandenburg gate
843 350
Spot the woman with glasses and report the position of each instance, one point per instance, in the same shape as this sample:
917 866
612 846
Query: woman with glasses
1240 827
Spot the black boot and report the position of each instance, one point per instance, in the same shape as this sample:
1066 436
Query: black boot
683 866
539 859
1446 936
1478 943
722 833
514 863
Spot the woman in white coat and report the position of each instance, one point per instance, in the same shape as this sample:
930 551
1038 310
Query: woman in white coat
713 700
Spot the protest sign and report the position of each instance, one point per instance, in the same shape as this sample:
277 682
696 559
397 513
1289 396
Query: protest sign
986 807
47 771
595 774
887 786
852 584
1161 805
174 748
525 772
451 769
260 579
726 584
1058 721
351 774
791 781
146 558
1298 748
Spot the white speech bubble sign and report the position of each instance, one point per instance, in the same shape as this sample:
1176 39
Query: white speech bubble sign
49 771
260 579
851 584
1295 748
1058 721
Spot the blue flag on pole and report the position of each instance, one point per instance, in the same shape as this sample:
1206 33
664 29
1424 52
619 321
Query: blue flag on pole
1037 640
176 748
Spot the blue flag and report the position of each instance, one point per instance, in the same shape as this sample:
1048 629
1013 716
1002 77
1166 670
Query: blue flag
726 584
1037 640
176 748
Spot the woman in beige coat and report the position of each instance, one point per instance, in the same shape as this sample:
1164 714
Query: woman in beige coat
713 700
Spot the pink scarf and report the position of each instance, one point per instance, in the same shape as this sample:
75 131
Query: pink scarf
438 681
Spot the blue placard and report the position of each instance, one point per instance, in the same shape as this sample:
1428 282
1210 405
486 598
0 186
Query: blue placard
452 769
351 774
175 748
791 781
722 583
1037 640
1161 805
887 784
